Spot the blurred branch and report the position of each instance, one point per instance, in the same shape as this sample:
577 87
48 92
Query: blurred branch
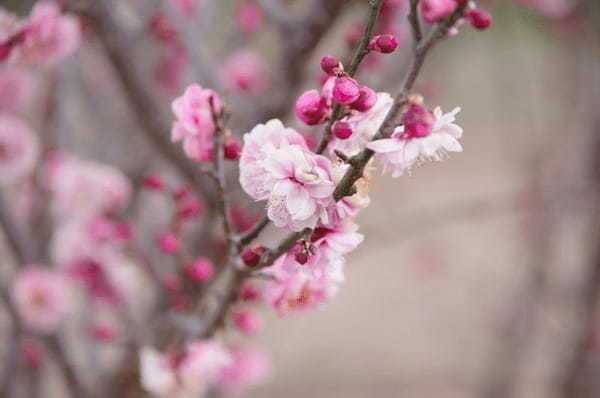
19 245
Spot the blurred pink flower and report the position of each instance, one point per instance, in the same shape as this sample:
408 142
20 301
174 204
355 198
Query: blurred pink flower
184 375
17 87
249 16
50 35
194 125
249 367
19 149
41 297
554 9
186 8
244 73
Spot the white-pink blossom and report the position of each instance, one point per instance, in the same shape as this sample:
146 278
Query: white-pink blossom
402 151
183 375
194 125
19 149
259 143
296 289
50 35
17 87
41 297
301 187
83 188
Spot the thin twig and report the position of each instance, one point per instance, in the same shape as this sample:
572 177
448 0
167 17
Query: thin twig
415 24
361 52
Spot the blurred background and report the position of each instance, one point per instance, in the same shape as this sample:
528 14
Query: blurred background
479 276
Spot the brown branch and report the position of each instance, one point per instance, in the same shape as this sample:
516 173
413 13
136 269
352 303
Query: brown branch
415 24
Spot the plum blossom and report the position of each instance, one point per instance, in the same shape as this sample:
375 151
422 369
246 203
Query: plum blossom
244 73
41 297
17 87
50 35
249 367
258 144
186 8
302 187
194 125
249 17
19 149
303 289
83 188
183 375
402 150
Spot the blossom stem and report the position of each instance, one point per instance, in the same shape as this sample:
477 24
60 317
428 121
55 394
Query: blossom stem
345 187
413 18
253 233
361 52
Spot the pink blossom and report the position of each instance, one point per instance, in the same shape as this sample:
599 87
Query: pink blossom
194 125
303 289
249 367
258 144
301 187
331 65
186 8
19 149
249 16
83 188
50 36
337 240
17 87
41 297
169 243
183 375
401 151
346 90
244 73
436 10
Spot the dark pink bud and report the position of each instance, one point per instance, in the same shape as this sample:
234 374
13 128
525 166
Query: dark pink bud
418 121
301 257
247 322
479 19
182 193
251 256
366 99
32 353
346 90
190 207
311 108
233 148
341 130
383 44
162 28
169 243
201 270
249 292
330 65
154 181
123 231
434 11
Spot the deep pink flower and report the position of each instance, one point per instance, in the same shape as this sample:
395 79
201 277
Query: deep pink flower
384 44
41 297
194 125
346 90
19 149
311 108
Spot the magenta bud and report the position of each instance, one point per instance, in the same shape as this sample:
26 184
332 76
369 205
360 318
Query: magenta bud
366 99
346 90
201 270
479 19
311 108
251 256
169 243
341 130
330 65
384 44
418 121
232 148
